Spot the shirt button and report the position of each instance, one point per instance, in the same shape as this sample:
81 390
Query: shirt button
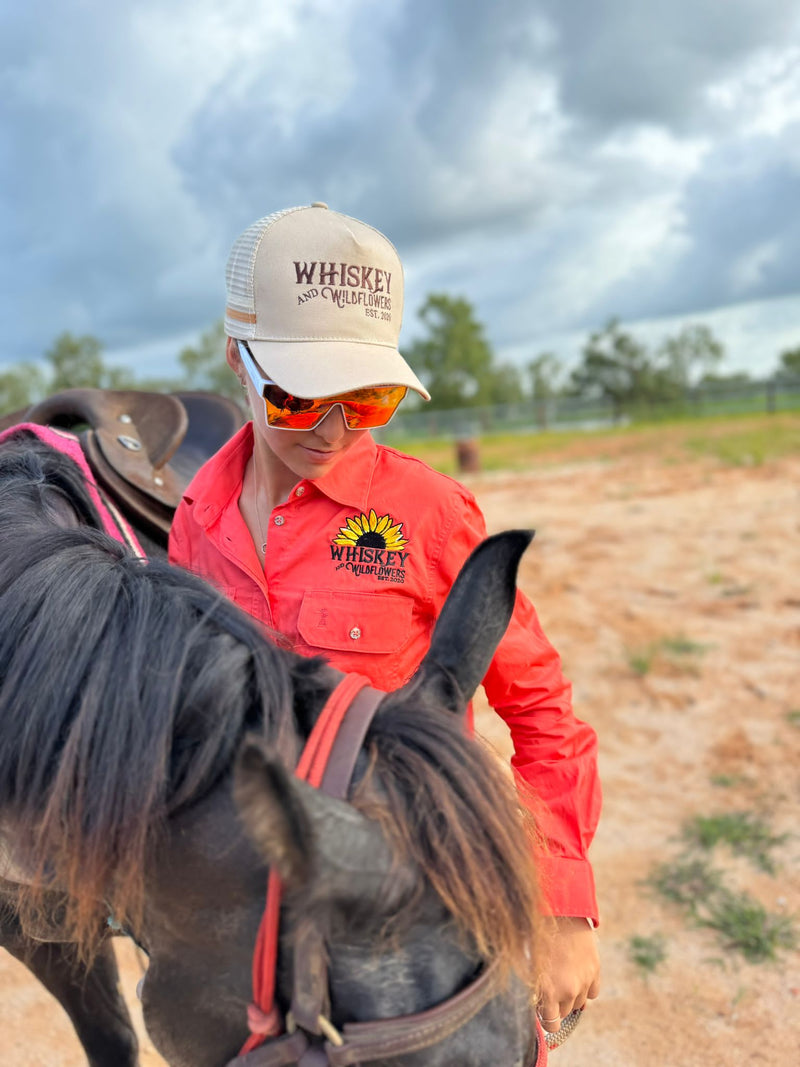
279 520
299 490
355 633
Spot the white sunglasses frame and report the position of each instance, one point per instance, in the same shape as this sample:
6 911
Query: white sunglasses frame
252 370
260 383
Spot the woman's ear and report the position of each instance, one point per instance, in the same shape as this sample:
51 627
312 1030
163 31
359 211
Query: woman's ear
234 361
233 358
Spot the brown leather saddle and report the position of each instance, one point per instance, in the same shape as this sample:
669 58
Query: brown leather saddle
143 448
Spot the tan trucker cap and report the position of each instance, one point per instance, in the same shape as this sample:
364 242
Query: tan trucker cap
319 298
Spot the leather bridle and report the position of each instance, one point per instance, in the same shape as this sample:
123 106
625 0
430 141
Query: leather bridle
328 761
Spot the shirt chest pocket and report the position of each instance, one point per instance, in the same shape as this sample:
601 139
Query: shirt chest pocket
377 623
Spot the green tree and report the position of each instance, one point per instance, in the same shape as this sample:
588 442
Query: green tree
737 378
691 354
617 367
789 366
204 364
544 371
75 362
20 386
503 384
456 361
120 378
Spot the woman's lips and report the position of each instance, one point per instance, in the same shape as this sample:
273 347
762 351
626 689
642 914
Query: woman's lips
318 455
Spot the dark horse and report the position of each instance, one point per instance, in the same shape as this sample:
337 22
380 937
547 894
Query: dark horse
148 733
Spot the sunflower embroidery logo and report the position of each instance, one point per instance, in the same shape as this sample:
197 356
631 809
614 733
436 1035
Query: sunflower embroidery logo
369 544
373 532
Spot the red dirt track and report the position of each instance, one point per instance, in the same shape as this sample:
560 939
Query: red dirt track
691 570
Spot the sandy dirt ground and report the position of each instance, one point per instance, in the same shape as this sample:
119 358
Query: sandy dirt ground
672 590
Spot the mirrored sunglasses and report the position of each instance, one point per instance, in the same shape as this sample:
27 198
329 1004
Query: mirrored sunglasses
363 409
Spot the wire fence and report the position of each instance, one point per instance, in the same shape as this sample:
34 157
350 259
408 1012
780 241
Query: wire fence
573 413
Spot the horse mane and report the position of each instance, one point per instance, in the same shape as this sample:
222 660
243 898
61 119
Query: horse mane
37 481
446 800
125 689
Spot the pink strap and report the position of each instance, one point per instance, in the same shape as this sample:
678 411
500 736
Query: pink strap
67 443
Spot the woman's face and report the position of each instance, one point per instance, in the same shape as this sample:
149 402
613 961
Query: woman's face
291 455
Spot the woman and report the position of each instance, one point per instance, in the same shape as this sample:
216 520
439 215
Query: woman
347 548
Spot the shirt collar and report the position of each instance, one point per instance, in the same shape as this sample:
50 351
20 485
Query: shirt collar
220 480
348 483
350 480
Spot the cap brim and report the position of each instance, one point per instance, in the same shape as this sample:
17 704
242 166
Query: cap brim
324 368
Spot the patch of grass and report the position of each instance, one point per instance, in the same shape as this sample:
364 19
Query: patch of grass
681 646
735 439
699 889
648 953
641 660
793 717
743 832
736 590
727 781
744 924
744 443
729 587
687 882
676 647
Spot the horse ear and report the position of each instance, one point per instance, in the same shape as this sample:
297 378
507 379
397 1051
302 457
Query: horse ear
274 821
473 620
302 832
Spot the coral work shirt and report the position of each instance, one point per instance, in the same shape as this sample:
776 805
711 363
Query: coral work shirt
358 565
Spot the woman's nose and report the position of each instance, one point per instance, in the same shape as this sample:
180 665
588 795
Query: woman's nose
332 427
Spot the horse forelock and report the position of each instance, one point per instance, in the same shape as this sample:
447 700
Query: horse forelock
124 690
449 804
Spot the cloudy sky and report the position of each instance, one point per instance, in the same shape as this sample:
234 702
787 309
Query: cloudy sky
556 162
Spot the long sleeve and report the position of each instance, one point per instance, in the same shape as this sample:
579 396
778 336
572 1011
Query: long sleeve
180 540
555 753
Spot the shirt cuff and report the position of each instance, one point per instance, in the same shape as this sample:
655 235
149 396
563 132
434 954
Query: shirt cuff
567 887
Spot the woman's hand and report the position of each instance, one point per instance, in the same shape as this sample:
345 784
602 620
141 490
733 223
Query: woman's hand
570 973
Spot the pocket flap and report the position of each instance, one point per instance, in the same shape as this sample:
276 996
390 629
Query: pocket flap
355 622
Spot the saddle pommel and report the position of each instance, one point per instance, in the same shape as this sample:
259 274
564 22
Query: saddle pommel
143 448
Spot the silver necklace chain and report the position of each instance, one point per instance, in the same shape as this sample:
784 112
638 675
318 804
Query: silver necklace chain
258 509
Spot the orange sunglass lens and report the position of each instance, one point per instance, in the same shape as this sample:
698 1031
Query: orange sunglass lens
363 408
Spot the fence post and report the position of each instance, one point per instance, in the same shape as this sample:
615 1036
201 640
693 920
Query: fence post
771 396
467 456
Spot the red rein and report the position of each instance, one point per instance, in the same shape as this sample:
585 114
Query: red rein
263 1016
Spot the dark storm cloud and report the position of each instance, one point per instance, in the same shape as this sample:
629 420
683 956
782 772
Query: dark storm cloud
53 232
496 144
744 235
399 147
621 62
89 231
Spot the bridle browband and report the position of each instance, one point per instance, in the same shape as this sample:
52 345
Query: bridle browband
327 762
